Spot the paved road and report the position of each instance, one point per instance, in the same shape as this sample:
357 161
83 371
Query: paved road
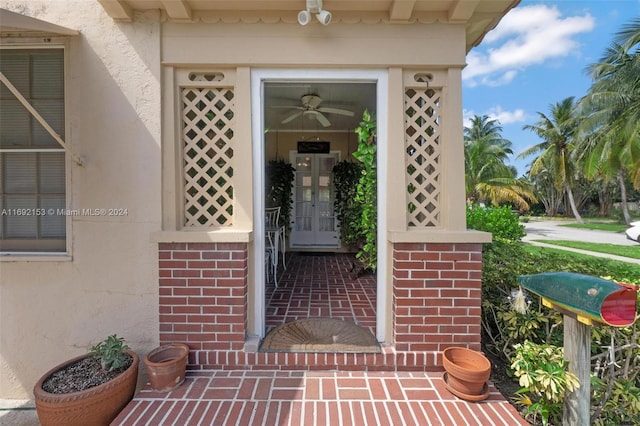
552 230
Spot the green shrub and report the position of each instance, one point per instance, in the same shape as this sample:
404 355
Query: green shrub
366 190
346 175
279 186
618 370
542 372
500 221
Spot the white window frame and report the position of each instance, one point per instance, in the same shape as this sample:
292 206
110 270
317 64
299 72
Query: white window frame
30 255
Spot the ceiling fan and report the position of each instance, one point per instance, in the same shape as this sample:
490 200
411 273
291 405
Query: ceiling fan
311 109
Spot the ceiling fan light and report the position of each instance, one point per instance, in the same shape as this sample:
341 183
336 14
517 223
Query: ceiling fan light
304 17
324 17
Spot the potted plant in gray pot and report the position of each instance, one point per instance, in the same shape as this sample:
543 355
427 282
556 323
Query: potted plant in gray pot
90 389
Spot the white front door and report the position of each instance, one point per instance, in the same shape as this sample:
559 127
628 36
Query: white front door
314 223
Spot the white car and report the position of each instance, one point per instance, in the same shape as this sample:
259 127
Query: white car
633 233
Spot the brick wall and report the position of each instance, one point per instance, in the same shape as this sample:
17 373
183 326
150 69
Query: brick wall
436 297
203 302
203 298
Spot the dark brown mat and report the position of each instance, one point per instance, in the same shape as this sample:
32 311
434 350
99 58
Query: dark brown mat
320 335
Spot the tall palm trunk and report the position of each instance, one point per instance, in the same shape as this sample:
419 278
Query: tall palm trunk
572 203
623 198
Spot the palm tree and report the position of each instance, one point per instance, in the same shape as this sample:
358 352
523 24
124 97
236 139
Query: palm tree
558 134
487 177
612 114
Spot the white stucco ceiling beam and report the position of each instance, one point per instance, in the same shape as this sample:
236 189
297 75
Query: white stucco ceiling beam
177 10
462 10
119 10
401 10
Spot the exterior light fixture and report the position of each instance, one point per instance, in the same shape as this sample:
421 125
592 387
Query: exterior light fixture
315 7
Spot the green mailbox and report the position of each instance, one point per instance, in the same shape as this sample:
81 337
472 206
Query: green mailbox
589 299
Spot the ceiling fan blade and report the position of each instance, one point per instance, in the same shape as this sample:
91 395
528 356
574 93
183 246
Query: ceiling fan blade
291 117
337 111
287 106
322 119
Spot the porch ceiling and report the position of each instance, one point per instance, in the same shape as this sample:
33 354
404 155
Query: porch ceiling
16 25
479 16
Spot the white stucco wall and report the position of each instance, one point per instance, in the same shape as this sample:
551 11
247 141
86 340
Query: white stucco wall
52 310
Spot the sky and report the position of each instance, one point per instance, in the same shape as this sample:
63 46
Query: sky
536 57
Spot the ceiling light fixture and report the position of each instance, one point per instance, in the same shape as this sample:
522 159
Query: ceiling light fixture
314 7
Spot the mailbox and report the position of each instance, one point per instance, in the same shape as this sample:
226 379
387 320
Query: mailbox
589 299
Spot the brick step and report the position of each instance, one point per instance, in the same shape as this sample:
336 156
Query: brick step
387 360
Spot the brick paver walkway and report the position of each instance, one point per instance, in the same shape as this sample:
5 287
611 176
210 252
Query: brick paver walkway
314 398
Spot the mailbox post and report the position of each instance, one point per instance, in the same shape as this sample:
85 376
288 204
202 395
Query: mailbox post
584 301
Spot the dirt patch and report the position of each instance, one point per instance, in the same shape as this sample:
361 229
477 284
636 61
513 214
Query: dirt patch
82 374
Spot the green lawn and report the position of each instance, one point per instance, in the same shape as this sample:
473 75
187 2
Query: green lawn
632 252
577 256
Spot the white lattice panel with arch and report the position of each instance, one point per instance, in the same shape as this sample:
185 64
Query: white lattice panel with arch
423 159
207 136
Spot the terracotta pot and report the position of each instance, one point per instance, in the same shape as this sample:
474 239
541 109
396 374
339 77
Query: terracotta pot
167 365
467 370
98 405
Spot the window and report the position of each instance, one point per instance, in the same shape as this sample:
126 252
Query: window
32 163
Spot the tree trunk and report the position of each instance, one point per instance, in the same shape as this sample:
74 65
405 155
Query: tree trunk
573 204
623 198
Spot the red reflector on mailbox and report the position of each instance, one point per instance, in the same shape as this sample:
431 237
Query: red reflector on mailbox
588 298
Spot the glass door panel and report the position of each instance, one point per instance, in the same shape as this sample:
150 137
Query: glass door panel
314 222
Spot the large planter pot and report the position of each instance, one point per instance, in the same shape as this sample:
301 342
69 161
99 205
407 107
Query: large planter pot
167 365
466 373
97 406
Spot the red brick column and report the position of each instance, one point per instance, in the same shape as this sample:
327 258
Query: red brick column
436 297
203 299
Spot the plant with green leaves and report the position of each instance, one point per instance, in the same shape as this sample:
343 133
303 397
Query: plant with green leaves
542 372
112 353
621 405
279 186
366 193
500 221
346 175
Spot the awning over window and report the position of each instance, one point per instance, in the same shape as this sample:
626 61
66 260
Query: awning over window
16 25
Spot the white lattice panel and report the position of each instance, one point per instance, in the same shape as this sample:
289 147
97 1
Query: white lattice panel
422 156
207 134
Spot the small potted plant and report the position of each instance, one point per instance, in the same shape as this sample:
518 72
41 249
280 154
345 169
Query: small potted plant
90 389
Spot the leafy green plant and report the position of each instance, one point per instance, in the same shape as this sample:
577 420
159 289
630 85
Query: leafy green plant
346 175
279 185
621 405
615 351
500 221
543 375
111 352
366 191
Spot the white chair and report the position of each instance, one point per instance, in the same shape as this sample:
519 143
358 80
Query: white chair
272 233
268 266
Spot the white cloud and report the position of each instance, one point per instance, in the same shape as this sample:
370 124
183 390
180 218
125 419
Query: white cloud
506 117
526 36
496 113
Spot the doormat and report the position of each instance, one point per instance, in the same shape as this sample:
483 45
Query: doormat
320 335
